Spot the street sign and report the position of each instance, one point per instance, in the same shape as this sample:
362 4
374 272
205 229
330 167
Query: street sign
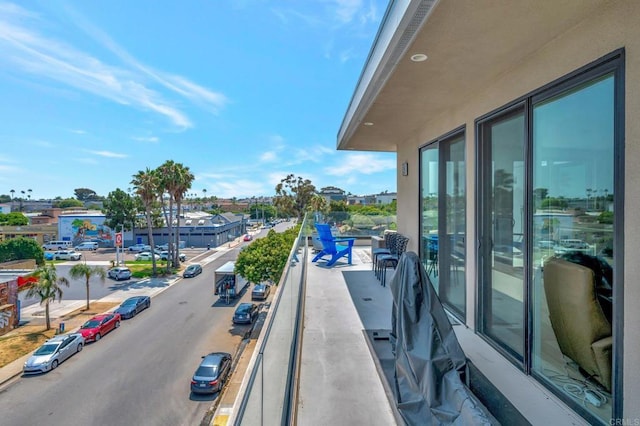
118 239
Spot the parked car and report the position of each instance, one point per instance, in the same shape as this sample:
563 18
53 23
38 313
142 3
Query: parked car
247 237
119 273
48 255
212 373
164 255
139 247
87 245
66 255
192 270
260 291
53 352
98 326
146 255
132 306
245 313
57 245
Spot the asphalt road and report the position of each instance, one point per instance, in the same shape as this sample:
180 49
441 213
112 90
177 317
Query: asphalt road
138 374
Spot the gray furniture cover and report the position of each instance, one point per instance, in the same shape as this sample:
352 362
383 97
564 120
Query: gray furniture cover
429 361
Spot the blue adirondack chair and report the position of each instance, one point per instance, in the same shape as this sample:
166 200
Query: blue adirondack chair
331 246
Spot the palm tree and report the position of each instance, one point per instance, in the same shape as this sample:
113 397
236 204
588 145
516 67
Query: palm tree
183 180
168 182
146 187
47 288
82 270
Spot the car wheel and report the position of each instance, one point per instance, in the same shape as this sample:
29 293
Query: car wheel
118 323
98 336
54 364
79 348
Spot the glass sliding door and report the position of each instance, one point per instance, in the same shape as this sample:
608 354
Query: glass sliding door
501 231
443 189
573 241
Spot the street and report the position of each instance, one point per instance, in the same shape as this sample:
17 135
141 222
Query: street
139 373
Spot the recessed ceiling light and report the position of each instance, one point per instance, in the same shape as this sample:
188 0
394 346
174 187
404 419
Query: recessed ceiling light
419 57
368 123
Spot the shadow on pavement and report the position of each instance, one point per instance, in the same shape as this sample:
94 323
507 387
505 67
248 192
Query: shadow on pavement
136 285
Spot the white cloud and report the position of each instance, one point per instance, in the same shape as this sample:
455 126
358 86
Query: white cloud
108 154
146 138
238 188
361 163
44 56
345 10
268 157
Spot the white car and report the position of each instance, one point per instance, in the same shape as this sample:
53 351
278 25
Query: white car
87 245
164 255
119 273
139 247
146 255
66 255
53 352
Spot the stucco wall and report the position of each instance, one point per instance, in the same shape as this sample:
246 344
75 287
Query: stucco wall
615 26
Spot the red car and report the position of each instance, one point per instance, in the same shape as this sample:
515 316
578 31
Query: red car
98 326
247 237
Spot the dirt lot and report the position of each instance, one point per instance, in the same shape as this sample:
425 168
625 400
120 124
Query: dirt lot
27 338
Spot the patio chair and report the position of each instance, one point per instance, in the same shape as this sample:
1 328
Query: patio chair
331 246
386 260
389 241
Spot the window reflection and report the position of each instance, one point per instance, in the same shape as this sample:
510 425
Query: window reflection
572 242
443 251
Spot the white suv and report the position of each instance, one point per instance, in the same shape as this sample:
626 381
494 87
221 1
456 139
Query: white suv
66 255
119 273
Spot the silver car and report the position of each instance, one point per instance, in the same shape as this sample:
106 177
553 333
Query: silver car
119 273
53 352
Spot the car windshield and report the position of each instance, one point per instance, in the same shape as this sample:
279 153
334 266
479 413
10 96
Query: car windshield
91 324
242 309
129 302
206 371
47 349
258 288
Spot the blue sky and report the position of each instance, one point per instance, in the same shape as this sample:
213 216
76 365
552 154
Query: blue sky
243 92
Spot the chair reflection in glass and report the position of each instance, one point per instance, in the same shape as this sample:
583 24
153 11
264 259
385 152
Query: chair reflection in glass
582 329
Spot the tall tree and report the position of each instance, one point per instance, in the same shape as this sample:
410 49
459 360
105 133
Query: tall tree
120 209
47 288
82 270
293 194
85 194
183 179
146 187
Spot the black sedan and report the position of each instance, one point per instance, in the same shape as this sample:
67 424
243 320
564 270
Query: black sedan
211 373
192 270
130 307
260 291
245 313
